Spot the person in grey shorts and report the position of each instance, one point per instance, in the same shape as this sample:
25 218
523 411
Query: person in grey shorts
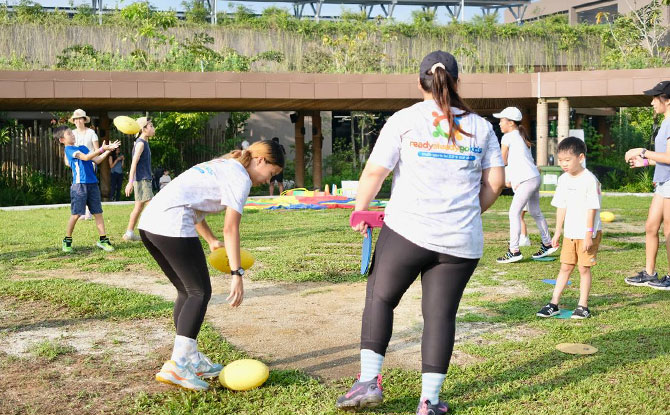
139 178
660 204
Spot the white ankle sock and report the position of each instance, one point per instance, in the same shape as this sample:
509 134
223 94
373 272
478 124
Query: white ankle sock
371 364
431 383
184 348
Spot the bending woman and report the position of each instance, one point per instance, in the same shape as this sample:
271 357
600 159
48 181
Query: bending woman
447 170
169 229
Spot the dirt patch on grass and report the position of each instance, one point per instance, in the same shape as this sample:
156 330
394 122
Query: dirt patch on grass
104 363
316 326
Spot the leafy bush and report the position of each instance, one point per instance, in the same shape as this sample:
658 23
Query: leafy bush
38 189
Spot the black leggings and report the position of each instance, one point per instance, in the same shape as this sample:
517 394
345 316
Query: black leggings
395 265
183 261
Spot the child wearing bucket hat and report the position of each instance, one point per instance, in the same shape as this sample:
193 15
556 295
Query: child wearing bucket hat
524 178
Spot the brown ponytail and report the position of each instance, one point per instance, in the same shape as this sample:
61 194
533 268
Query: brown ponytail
524 134
270 150
443 87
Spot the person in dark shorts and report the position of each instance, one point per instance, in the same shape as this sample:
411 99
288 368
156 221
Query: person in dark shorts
279 179
84 191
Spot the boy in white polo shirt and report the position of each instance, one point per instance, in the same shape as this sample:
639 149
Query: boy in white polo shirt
577 200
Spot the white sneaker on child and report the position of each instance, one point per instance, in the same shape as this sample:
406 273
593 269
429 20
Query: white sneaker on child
524 240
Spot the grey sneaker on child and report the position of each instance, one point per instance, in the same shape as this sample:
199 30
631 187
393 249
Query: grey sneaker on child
362 395
548 310
662 284
581 312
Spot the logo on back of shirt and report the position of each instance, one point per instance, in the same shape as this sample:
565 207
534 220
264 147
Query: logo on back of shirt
441 125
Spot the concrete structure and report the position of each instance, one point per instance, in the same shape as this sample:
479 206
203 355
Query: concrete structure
583 11
310 94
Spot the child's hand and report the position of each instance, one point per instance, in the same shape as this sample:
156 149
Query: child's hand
236 291
111 147
556 240
129 189
213 246
588 241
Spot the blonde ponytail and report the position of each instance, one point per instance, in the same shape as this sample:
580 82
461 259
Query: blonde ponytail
267 149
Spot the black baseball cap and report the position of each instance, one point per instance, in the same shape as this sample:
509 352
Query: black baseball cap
438 56
662 87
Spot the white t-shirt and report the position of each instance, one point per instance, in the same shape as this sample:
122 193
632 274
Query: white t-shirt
164 180
435 194
578 194
203 189
85 139
520 163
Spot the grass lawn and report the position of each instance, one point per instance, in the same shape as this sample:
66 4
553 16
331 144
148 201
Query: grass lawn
630 326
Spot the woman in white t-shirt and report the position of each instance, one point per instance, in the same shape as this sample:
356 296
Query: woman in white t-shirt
83 135
524 178
169 229
447 170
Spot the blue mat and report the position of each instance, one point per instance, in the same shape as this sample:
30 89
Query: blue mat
564 314
553 282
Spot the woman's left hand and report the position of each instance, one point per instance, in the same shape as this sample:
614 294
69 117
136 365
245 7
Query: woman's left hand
632 153
216 244
236 291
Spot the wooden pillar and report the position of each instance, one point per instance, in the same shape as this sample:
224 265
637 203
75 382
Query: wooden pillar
542 131
105 171
300 150
317 141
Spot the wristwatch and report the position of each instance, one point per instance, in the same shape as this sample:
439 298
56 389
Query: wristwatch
644 150
239 271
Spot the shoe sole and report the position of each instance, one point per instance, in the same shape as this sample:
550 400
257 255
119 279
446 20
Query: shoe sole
549 252
111 249
579 317
659 288
175 382
208 374
511 260
547 316
350 406
638 284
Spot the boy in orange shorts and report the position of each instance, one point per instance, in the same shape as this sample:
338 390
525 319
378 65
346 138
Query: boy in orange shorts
577 201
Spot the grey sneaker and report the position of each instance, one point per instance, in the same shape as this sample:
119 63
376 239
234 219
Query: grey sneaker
427 408
362 395
662 284
642 278
581 312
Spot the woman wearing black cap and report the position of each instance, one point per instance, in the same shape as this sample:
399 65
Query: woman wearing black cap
659 211
447 170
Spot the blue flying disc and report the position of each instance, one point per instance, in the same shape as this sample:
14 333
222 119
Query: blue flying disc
366 252
553 282
564 314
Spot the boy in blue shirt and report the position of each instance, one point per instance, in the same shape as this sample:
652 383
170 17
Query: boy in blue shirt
84 190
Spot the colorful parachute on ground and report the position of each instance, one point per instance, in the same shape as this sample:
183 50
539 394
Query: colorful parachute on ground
306 200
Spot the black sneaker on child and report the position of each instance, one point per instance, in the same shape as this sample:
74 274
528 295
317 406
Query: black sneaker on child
642 278
548 310
510 257
544 251
581 312
662 284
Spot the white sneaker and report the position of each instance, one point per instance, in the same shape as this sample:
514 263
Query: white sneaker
183 376
206 368
131 236
524 240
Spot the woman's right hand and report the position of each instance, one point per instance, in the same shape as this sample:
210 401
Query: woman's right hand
236 291
632 153
362 227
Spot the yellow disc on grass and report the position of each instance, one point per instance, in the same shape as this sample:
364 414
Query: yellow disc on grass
606 216
126 125
219 259
244 374
576 348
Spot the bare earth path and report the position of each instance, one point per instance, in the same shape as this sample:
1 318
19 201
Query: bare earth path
313 326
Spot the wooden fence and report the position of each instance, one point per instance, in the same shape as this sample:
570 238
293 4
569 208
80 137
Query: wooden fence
34 150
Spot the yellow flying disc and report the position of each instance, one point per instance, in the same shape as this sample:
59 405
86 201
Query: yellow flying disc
606 216
219 259
126 125
244 374
576 348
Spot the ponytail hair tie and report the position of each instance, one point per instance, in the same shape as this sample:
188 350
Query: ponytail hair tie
437 65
